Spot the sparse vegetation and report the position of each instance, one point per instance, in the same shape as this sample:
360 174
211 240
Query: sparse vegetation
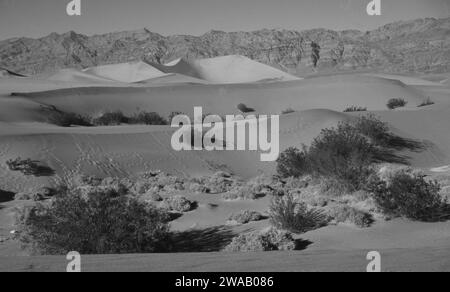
287 214
288 111
395 103
102 222
427 102
270 240
110 119
245 217
244 109
347 214
29 167
407 193
65 119
343 157
355 109
178 204
147 118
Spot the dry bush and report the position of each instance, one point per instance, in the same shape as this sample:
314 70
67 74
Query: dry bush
101 223
245 217
396 103
347 214
407 193
178 204
270 240
285 213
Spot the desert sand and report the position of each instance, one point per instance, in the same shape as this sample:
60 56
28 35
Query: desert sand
219 85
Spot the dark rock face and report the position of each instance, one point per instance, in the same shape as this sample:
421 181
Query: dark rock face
412 46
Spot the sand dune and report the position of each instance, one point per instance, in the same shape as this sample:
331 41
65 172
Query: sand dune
227 69
126 72
407 80
77 76
4 73
173 79
332 92
127 150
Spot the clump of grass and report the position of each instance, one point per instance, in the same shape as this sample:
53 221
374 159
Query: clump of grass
67 119
344 213
427 102
111 119
147 118
270 240
244 109
287 214
245 217
288 111
396 103
355 109
178 204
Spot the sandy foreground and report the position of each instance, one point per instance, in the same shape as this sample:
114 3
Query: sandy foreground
127 150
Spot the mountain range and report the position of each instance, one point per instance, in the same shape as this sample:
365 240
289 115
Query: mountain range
416 46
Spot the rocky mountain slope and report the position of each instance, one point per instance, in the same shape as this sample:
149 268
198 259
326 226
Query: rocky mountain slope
404 47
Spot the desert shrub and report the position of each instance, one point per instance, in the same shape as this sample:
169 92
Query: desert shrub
285 213
64 119
407 193
371 127
245 217
426 103
396 103
355 109
25 166
147 118
293 163
344 213
244 109
240 193
270 240
255 188
220 182
40 194
111 119
343 155
288 111
178 204
151 196
101 223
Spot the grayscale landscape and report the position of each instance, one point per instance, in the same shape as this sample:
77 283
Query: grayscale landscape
85 139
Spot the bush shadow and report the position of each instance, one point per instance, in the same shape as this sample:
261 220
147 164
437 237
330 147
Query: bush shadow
212 239
394 144
302 244
6 196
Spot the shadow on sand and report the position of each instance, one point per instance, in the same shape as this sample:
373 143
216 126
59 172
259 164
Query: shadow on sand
6 196
394 144
212 239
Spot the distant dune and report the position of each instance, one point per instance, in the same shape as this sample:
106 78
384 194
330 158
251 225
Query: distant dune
126 72
331 92
77 76
226 69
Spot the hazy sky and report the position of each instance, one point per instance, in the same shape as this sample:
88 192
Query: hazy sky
35 18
